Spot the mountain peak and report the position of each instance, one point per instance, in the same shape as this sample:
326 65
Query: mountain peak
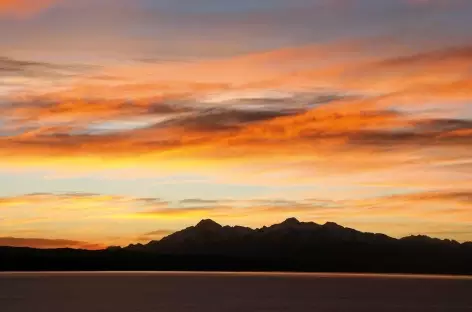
291 221
332 225
208 224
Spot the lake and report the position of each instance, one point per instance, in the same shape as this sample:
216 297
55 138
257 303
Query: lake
227 292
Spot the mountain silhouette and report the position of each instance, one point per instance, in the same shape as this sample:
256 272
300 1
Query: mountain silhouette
289 237
289 246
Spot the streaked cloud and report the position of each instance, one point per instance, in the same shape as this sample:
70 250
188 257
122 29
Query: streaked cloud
342 123
375 122
76 215
443 209
452 201
154 235
47 243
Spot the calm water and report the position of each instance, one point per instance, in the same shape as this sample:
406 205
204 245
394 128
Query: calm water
226 292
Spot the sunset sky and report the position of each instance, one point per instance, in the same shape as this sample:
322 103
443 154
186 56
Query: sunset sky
122 121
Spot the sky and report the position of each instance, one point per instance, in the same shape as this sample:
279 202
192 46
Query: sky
124 121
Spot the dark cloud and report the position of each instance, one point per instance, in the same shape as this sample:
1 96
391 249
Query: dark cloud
224 119
86 111
14 67
164 108
230 127
306 99
462 53
422 133
154 235
47 243
444 124
159 233
199 201
455 196
239 112
151 200
75 195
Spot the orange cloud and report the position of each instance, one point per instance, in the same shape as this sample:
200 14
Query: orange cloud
23 8
341 134
120 220
403 205
370 112
439 208
76 217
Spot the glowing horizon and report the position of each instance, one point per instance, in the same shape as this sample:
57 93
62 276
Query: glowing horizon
124 121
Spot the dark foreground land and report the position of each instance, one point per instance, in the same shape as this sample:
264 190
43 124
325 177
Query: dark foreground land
289 246
231 292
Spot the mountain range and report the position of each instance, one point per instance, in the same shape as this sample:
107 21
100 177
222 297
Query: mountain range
289 246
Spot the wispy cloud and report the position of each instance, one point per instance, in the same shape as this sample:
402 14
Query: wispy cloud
443 209
374 114
435 203
44 243
342 115
79 213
